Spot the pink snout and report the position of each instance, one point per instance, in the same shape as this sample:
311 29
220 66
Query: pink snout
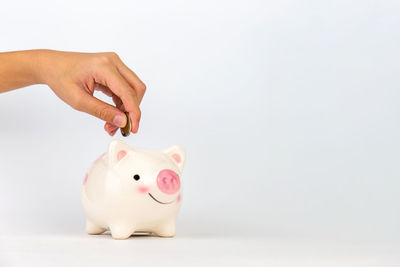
168 182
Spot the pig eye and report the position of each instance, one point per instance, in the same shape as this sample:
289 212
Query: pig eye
136 177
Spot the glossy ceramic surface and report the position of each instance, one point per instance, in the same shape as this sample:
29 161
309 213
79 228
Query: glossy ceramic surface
131 190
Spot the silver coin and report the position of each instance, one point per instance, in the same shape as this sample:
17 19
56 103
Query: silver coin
126 131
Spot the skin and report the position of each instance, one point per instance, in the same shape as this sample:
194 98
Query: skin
74 77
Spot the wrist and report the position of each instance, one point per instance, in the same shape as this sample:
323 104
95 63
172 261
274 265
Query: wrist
40 65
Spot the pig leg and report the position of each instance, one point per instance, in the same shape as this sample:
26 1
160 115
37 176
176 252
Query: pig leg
121 231
166 229
93 229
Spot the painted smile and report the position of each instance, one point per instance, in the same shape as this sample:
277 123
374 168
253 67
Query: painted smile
160 201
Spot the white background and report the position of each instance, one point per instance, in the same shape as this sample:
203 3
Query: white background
289 112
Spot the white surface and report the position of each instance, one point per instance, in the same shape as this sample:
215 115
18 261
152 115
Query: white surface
191 250
292 106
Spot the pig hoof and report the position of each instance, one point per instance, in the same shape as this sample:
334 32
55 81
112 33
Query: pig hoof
165 230
93 229
118 232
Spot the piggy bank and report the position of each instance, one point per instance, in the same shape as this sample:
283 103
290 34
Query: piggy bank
130 190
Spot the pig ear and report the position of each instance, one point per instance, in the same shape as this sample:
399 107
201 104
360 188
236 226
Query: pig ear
117 150
178 155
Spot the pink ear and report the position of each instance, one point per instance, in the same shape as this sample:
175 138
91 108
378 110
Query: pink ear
117 150
121 154
177 155
177 158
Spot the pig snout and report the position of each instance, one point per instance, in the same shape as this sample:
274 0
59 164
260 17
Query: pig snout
168 182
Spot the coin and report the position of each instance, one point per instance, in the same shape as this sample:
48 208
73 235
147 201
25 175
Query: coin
125 131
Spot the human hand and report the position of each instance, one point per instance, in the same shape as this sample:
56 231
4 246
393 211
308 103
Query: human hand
75 76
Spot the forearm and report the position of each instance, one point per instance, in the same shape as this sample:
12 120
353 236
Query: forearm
19 69
74 77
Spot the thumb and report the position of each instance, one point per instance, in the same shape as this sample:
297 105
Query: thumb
102 110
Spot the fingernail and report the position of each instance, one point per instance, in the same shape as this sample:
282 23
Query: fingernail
119 120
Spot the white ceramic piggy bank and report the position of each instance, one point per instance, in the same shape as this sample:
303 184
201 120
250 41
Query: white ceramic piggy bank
133 190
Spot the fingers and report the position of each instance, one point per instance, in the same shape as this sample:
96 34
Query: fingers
101 110
110 128
118 103
133 80
120 106
105 90
111 78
